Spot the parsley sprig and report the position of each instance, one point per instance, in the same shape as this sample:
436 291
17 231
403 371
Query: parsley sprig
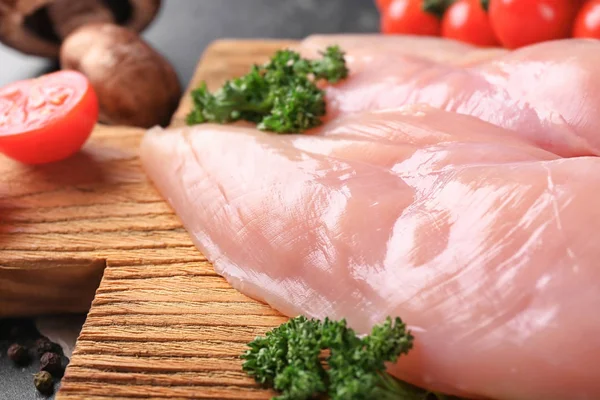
290 360
280 96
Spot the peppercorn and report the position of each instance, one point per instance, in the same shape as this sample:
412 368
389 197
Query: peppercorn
44 345
18 354
52 362
44 382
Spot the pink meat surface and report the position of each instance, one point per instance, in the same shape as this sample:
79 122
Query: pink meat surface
360 48
482 242
549 92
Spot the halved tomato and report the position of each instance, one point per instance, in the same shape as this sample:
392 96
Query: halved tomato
47 119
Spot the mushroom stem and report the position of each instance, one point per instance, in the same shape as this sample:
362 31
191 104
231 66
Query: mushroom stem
68 15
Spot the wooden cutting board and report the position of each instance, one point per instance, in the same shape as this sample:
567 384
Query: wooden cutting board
161 323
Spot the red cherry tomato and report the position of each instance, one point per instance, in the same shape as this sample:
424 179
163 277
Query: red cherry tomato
408 17
520 23
48 118
587 22
383 5
467 21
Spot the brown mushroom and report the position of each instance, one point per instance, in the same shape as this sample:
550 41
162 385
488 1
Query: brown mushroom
37 27
135 84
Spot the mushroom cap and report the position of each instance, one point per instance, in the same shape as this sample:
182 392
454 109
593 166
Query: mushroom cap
25 25
136 85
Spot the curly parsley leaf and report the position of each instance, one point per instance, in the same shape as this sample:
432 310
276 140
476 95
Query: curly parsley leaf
291 360
280 96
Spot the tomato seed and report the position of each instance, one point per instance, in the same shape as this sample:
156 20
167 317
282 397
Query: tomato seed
35 99
59 99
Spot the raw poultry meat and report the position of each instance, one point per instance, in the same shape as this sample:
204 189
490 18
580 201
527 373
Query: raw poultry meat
362 48
482 242
549 92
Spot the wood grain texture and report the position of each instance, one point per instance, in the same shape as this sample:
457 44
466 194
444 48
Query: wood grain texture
162 324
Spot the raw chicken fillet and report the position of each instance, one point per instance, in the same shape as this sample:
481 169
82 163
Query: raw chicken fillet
548 92
480 238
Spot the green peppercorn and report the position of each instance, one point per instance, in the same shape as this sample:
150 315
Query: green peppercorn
52 363
44 382
18 354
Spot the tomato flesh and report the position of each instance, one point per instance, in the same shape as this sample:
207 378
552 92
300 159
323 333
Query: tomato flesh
467 21
408 17
47 119
587 22
520 23
383 5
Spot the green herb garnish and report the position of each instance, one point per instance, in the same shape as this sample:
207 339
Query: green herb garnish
291 360
280 96
437 7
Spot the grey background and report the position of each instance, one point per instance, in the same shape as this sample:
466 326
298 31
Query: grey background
181 32
185 27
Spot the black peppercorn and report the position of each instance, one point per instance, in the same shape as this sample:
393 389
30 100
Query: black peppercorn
52 362
44 345
18 354
44 382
